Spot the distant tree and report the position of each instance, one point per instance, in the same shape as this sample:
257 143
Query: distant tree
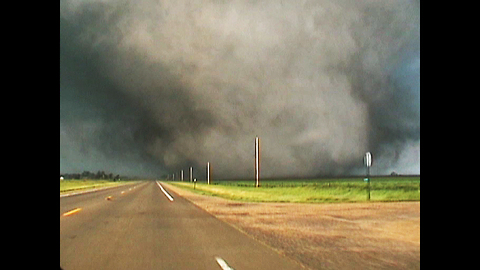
87 174
100 175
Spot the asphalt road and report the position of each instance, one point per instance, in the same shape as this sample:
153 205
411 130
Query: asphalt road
142 228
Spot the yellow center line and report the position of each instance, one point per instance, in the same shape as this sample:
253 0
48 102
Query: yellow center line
72 212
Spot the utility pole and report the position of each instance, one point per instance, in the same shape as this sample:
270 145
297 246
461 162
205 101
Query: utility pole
257 162
208 173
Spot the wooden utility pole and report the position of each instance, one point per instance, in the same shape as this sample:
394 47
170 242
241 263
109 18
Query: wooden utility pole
257 161
208 173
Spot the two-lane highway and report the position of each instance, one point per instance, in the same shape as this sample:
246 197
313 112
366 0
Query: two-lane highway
140 227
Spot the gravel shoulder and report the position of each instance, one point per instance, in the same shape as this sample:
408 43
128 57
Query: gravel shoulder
327 236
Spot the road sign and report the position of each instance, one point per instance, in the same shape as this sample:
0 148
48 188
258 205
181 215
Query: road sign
368 159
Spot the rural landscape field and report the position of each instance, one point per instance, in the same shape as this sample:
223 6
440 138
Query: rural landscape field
318 223
382 189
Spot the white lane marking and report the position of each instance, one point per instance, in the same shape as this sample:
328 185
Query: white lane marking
164 192
223 264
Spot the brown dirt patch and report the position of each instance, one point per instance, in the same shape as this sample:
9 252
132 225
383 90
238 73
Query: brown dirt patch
327 236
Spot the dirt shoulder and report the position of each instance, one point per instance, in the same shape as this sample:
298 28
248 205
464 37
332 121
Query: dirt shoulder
327 236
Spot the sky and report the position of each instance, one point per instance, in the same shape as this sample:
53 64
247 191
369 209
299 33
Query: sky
152 87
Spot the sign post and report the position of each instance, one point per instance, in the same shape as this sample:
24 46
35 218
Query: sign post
367 159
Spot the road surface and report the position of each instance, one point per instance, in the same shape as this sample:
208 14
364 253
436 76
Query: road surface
140 227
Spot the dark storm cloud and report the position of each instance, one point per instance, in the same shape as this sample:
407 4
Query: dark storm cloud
154 86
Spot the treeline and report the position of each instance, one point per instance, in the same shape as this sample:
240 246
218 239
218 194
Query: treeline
92 175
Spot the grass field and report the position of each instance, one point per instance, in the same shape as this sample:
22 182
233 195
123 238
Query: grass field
313 191
70 185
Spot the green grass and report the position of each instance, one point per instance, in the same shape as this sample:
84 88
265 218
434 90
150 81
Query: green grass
313 191
70 185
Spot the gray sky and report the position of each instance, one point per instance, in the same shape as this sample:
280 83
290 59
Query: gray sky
152 87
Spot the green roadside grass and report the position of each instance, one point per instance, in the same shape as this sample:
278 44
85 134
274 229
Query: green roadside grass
71 185
312 191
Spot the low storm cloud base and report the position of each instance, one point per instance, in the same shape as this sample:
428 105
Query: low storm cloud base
152 87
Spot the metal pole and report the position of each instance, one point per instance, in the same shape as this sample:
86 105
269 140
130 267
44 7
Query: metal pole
368 182
368 162
191 174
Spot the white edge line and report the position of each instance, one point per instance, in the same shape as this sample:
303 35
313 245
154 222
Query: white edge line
223 264
164 192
